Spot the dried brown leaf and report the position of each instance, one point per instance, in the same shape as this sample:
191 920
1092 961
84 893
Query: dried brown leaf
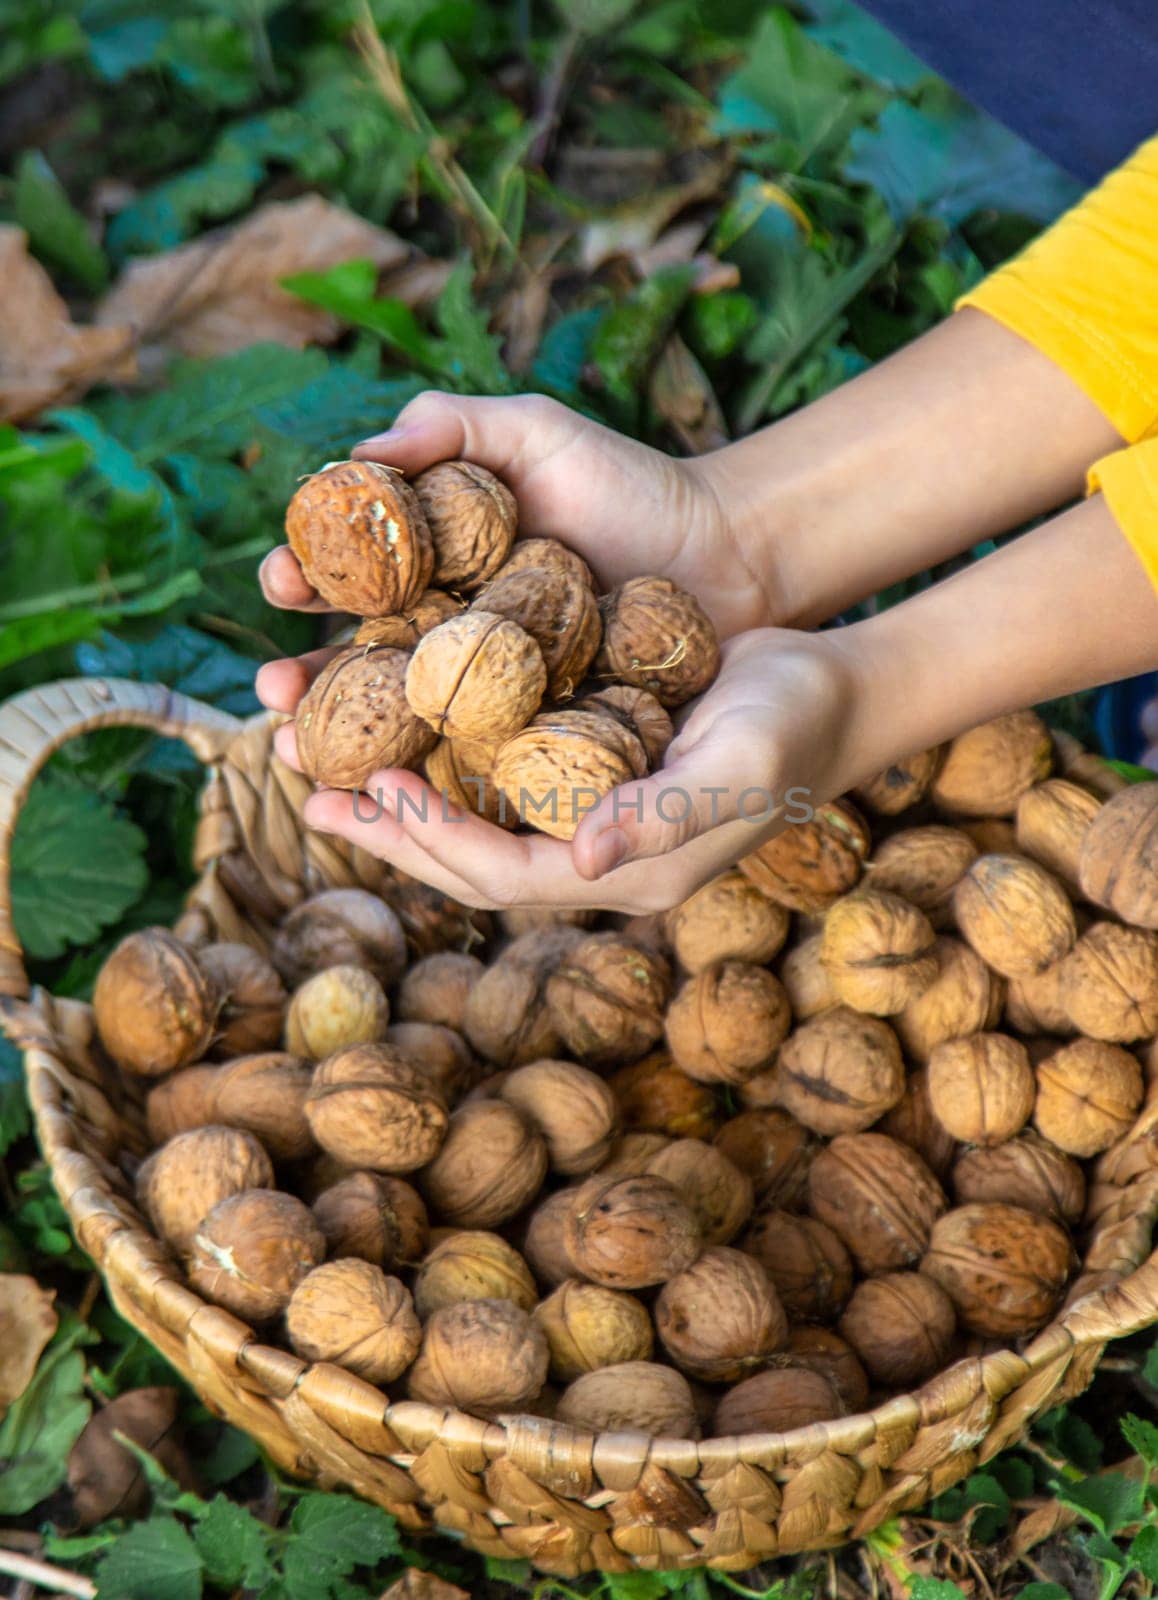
27 1323
682 395
415 1584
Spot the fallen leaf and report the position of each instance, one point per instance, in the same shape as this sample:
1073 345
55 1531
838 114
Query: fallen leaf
417 1585
106 1479
27 1323
679 390
632 229
44 356
222 292
416 283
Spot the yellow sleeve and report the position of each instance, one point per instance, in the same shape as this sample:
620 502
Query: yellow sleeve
1086 295
1128 479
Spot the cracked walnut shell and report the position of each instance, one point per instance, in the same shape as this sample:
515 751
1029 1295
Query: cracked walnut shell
361 537
629 1233
560 613
720 1318
153 1005
354 719
727 1022
840 1072
658 637
471 515
352 1314
589 1327
985 771
981 1088
477 677
607 997
809 865
1003 1268
481 1356
563 763
370 1107
251 1251
1015 914
878 952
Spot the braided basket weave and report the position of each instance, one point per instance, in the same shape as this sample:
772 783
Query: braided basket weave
525 1487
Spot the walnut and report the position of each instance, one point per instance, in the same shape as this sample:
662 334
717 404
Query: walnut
811 1269
361 538
810 865
805 979
1082 766
628 1233
462 772
1116 867
841 1071
639 711
777 1401
507 1018
549 556
403 629
335 1008
154 1007
727 1022
477 676
517 920
727 920
1088 1094
654 1096
370 1107
993 836
379 1219
473 1265
563 763
351 1313
878 952
340 927
253 999
1026 1172
491 1165
441 1055
434 921
482 1356
902 785
191 1174
911 1122
820 1350
436 988
251 1251
964 997
986 771
631 1397
719 1194
1109 983
1036 1004
471 515
574 1111
631 1153
658 637
775 1152
720 1318
588 1327
606 998
559 612
981 1088
1016 915
878 1197
545 1242
1003 1268
265 1095
179 1102
354 719
1052 819
901 1325
923 866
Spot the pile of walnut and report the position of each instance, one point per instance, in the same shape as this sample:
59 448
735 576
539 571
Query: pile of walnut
805 1140
490 665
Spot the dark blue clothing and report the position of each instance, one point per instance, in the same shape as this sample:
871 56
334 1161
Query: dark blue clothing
1078 79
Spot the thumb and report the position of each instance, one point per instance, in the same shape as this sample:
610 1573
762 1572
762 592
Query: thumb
499 433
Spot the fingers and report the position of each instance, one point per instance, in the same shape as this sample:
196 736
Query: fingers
367 821
284 585
285 746
281 684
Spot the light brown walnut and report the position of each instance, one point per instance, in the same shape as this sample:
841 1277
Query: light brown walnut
1109 983
629 1233
352 1314
721 1318
253 999
369 1107
1015 914
727 920
560 613
482 1356
1088 1094
811 864
472 518
361 537
809 1266
607 997
659 638
878 951
923 865
1052 820
965 997
574 1110
720 1196
777 1401
340 927
187 1177
727 1022
986 771
588 1327
1118 855
1026 1171
903 785
840 1072
265 1095
491 1164
374 1217
1003 1268
476 677
878 1197
981 1088
154 1007
354 719
631 1397
252 1250
473 1265
562 762
901 1325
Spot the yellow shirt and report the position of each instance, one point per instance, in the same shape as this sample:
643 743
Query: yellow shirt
1086 295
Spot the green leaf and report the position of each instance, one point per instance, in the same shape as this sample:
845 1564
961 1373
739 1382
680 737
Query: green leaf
29 636
1014 1474
231 1453
1044 1591
1142 1437
233 1545
983 1493
595 18
333 1534
565 351
76 867
55 229
935 1589
348 292
465 329
1133 774
42 1426
1109 1501
154 1560
14 1117
181 658
1143 1552
865 44
628 339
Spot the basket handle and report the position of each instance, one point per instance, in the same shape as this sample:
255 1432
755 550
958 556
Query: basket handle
35 724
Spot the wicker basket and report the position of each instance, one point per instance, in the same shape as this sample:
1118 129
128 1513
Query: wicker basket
527 1488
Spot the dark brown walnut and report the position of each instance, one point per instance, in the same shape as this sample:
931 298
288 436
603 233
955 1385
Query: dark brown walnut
265 1095
545 1239
179 1102
727 920
775 1152
878 952
507 1018
719 1194
811 864
441 1054
629 1233
777 1401
472 516
811 1269
473 1265
184 1180
491 1165
334 1009
1052 819
901 1326
462 772
562 616
1088 1094
361 537
1027 1172
340 927
154 1007
986 771
1003 1268
981 1088
606 998
639 711
478 676
631 1152
631 1397
562 763
549 556
371 1108
655 1096
840 1072
1118 866
1037 1003
376 1218
1080 765
354 719
820 1350
1109 983
253 999
720 1319
903 785
588 1327
575 1112
1015 914
403 629
878 1197
251 1251
727 1022
659 638
433 921
805 979
911 1122
352 1314
923 866
964 997
436 988
482 1356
